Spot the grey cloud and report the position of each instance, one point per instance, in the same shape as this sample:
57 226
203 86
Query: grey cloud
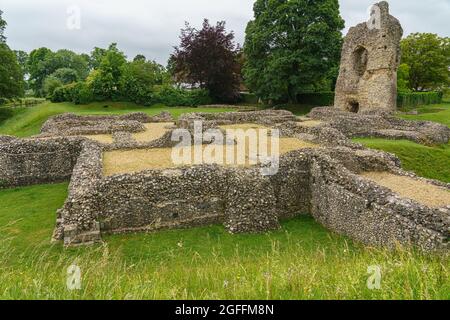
152 27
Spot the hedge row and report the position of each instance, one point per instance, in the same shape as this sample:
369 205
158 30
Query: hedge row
80 93
249 98
404 100
20 102
414 99
316 98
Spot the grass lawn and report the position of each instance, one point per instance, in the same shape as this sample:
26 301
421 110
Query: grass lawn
28 121
430 162
300 261
436 112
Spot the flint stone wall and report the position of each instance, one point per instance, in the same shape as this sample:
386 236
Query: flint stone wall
212 120
69 124
25 162
348 204
323 182
382 125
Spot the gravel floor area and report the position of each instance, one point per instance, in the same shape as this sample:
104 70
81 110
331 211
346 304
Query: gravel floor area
128 161
102 138
153 131
420 191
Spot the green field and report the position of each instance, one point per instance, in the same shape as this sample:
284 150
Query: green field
428 161
301 261
28 121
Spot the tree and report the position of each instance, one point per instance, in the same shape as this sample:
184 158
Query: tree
106 80
291 46
403 78
208 58
428 57
43 62
96 57
22 58
138 79
11 76
2 28
50 85
65 75
140 57
71 60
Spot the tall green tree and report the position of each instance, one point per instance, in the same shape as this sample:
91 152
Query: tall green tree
2 28
292 46
138 79
106 80
11 74
428 58
96 57
22 59
403 78
43 62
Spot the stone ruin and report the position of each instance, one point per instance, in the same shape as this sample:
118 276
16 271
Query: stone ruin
351 190
340 183
370 57
366 89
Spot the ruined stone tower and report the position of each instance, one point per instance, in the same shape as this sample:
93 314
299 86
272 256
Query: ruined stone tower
370 57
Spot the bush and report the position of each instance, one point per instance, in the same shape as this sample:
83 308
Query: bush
316 98
249 98
414 99
65 93
78 93
82 94
171 96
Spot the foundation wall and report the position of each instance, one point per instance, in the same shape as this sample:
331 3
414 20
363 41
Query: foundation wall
26 162
350 205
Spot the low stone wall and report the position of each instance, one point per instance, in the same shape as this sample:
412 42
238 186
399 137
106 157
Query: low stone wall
348 204
69 124
323 181
25 162
212 120
242 199
381 124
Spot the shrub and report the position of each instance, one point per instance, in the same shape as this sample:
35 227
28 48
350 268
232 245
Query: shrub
414 99
171 96
50 85
82 94
78 93
249 98
316 98
64 93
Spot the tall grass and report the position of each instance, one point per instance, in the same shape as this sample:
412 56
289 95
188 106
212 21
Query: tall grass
300 261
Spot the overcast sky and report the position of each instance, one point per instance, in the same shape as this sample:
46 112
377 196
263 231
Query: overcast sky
152 27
